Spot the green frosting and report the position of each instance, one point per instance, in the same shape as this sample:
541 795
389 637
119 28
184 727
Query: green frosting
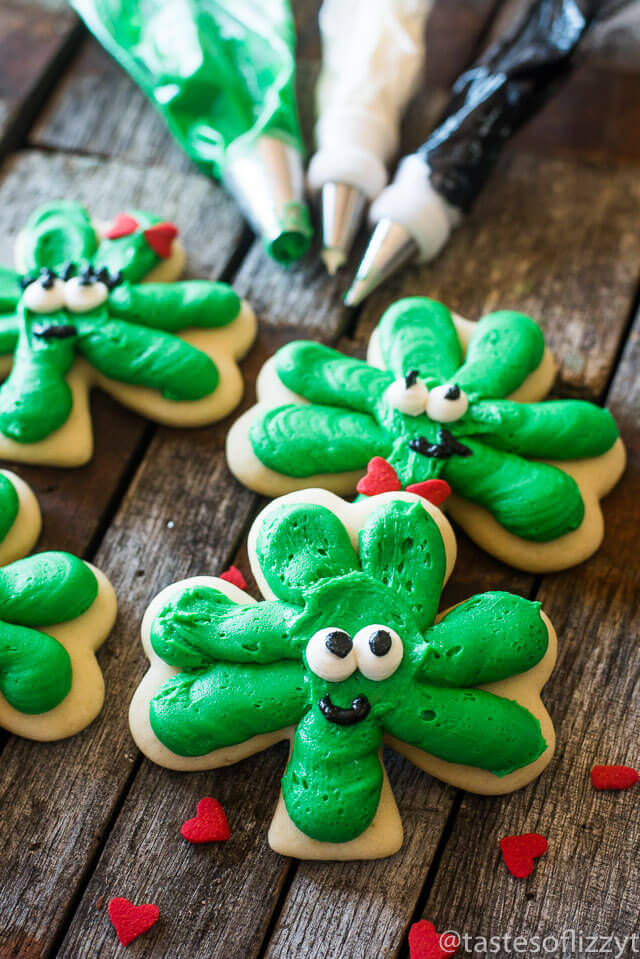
9 505
222 75
245 670
129 337
349 418
41 591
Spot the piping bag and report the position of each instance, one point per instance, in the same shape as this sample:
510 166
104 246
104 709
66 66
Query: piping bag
372 56
434 187
222 74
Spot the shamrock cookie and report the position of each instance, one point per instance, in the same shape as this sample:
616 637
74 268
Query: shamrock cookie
94 305
441 398
55 611
346 652
20 519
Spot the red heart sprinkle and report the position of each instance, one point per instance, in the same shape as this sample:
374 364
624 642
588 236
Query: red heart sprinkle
123 225
520 851
426 943
435 490
209 825
381 478
233 575
160 238
131 921
614 777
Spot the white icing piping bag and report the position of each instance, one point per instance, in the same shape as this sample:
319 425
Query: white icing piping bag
435 186
372 57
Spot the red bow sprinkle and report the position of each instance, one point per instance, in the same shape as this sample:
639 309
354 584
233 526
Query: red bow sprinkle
123 225
614 777
434 490
234 576
160 238
520 851
426 943
381 478
131 921
209 825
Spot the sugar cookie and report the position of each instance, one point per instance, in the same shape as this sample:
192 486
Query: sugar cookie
346 652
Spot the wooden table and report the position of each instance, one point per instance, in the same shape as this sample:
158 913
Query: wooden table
555 234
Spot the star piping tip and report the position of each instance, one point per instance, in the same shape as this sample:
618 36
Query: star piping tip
333 259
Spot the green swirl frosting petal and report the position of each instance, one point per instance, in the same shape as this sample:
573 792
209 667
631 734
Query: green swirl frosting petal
246 670
36 399
175 306
144 357
46 589
35 669
288 439
57 234
504 349
487 451
323 375
419 334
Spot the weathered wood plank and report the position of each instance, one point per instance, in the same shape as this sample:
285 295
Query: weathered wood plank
553 238
589 880
50 834
34 46
181 514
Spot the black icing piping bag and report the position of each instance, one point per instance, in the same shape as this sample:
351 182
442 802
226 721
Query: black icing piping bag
435 186
222 75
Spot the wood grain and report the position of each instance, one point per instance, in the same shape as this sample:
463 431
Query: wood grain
34 45
589 879
85 776
180 515
87 819
555 239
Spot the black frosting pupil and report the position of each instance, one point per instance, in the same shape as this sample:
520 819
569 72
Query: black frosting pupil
380 642
452 393
339 643
411 378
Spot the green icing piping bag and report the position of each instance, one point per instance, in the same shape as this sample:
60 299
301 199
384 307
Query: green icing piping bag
222 74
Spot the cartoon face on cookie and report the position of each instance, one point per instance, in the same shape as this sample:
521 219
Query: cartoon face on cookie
84 308
441 399
347 649
55 610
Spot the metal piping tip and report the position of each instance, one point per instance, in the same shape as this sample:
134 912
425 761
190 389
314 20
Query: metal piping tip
267 182
390 248
333 259
342 211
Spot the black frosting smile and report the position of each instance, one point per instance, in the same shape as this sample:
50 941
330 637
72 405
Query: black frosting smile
357 711
52 331
446 446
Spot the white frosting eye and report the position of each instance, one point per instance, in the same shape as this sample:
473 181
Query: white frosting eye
447 403
330 654
81 297
408 395
44 299
378 650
